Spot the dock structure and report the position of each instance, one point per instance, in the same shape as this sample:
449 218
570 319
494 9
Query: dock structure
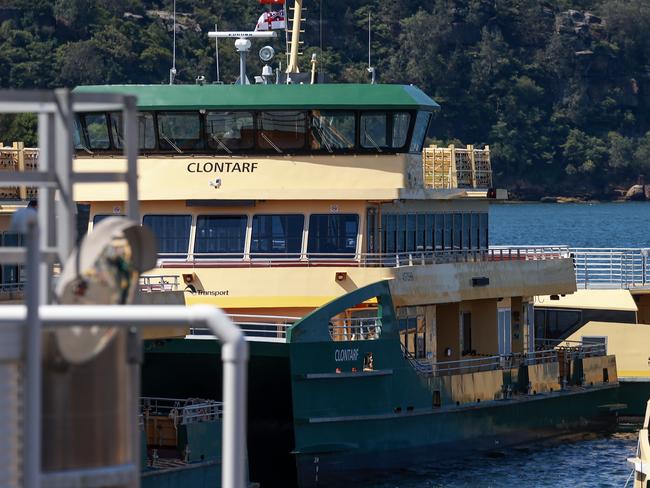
65 449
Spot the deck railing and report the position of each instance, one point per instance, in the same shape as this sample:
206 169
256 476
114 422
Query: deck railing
548 354
611 268
151 283
181 411
265 327
355 329
17 157
391 260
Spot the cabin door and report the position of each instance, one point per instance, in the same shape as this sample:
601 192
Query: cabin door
504 331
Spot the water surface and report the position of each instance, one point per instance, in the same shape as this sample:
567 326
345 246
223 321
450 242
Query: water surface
573 224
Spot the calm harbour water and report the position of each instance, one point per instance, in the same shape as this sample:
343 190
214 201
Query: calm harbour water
572 224
599 461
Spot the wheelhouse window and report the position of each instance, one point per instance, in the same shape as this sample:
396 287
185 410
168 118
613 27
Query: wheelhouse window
223 235
401 122
374 130
420 131
332 235
277 234
281 131
77 136
146 132
332 130
179 131
229 132
96 129
172 234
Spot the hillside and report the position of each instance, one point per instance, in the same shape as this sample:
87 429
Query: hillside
559 89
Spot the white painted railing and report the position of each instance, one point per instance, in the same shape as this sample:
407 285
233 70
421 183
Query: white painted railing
393 259
264 327
550 352
611 268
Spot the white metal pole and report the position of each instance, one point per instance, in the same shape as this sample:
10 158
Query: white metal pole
65 205
216 51
46 202
32 420
131 145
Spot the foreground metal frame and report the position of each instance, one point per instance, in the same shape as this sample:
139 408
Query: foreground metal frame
50 239
234 353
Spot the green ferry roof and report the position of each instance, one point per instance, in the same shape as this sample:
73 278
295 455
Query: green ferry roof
271 97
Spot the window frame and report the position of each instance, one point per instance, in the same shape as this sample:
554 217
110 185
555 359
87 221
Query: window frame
320 255
202 141
217 254
289 256
165 255
203 145
209 150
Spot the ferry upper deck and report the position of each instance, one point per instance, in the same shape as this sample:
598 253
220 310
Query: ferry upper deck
269 142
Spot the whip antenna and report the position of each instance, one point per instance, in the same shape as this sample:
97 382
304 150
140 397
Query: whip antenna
371 68
172 72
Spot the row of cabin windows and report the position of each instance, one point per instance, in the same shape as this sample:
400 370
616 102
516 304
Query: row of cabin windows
11 274
419 232
224 236
283 131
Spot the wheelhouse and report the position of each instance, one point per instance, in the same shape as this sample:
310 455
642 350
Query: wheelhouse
269 119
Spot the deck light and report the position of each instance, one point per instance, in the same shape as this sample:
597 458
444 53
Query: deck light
267 53
341 275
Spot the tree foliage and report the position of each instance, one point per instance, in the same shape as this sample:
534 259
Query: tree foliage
559 89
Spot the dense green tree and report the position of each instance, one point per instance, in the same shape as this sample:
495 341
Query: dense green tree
560 89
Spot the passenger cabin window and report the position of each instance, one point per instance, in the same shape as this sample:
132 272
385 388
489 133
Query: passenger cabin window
230 131
223 235
374 129
401 121
420 131
277 234
332 130
172 234
281 131
77 140
332 235
420 232
179 131
96 129
146 132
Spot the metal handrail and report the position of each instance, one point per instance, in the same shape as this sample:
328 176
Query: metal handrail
355 328
396 259
611 268
167 282
504 361
182 411
259 326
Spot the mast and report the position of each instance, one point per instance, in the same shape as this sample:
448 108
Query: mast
295 37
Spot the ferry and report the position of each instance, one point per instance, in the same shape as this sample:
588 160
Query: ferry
383 329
